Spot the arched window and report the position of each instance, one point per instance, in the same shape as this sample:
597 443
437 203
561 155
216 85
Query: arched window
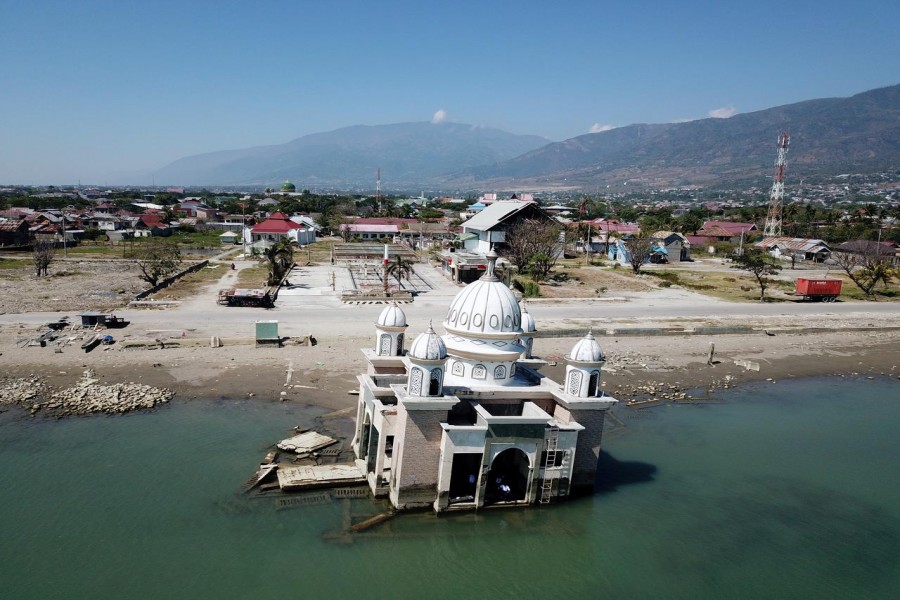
500 372
479 372
594 384
415 381
435 388
399 344
457 368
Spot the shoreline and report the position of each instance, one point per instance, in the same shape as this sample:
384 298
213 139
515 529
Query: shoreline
637 367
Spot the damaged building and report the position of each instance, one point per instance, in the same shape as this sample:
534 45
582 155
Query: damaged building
466 420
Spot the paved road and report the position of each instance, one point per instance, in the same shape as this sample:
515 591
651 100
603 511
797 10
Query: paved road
311 307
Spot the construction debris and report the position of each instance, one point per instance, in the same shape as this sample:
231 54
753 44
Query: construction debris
306 443
87 396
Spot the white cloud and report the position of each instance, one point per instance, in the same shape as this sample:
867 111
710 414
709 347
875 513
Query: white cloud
597 128
723 112
440 116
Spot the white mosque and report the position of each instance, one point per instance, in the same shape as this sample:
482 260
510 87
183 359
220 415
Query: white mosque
465 420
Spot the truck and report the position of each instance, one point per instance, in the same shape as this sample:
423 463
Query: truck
818 290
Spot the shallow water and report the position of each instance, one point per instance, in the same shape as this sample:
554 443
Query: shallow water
786 491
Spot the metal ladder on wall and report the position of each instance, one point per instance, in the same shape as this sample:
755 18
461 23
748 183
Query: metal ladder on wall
549 461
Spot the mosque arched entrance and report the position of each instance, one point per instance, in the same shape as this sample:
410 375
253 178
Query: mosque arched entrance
508 477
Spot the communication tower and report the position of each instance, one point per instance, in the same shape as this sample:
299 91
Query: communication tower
378 188
776 198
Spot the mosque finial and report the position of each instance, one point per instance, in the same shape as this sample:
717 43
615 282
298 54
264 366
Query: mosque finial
492 257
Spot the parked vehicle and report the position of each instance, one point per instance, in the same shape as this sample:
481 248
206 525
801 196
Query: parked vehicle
820 290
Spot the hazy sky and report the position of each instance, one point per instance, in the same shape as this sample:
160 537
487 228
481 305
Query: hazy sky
89 90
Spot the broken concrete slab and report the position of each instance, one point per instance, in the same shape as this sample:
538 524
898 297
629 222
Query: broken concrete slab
305 443
319 476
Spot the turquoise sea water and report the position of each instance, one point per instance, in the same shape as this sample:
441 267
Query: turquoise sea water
789 490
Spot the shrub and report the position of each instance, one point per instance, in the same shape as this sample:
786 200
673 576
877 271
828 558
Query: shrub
528 288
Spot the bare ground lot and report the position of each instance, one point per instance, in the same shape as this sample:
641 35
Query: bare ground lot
73 284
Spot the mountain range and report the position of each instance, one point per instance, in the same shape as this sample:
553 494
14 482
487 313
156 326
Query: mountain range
409 154
859 134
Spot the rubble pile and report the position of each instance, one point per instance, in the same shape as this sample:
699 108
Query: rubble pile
85 397
622 361
21 392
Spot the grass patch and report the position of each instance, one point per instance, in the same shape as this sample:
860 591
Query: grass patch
191 284
253 277
671 277
106 251
13 263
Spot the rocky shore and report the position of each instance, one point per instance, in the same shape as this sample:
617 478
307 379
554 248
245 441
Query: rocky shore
86 397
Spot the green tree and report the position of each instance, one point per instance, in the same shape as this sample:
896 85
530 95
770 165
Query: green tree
533 246
639 247
157 259
399 268
760 265
867 267
279 259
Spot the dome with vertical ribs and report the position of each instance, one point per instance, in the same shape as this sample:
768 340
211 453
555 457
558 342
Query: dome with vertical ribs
528 325
428 346
587 350
391 316
485 308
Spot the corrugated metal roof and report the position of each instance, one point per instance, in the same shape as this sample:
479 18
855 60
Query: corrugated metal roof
801 244
371 228
491 216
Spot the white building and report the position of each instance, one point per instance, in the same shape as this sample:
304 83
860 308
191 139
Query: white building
465 420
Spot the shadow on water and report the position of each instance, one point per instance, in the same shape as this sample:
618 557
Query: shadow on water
612 473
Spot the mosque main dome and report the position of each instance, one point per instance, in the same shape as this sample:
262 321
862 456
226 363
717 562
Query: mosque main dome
287 186
485 308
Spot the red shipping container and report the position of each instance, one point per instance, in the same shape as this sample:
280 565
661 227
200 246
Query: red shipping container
818 287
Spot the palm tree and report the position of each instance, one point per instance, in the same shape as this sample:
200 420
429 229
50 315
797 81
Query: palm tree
280 258
400 268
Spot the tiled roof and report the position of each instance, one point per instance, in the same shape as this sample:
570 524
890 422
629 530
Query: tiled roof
276 223
734 227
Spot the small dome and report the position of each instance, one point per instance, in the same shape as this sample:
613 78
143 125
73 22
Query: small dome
391 316
485 307
587 350
428 346
528 325
287 186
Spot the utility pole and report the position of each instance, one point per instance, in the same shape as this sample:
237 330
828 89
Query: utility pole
65 247
776 198
243 229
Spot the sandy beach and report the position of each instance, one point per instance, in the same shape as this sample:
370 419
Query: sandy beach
324 375
656 343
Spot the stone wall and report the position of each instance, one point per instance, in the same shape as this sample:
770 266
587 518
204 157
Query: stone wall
419 458
587 451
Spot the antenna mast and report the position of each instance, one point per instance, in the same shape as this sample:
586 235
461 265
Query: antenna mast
378 189
776 198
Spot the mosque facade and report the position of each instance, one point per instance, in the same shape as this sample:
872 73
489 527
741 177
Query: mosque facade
466 420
